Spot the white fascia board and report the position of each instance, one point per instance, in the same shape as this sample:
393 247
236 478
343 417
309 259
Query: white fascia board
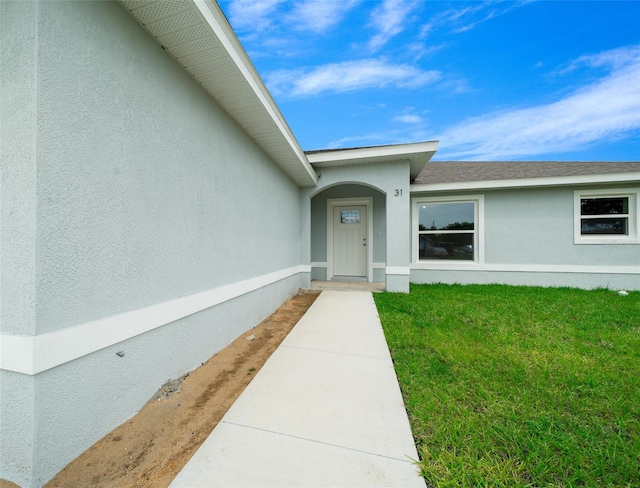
600 179
216 19
378 152
418 154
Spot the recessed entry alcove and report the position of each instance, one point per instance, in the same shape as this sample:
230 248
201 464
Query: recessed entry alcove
348 234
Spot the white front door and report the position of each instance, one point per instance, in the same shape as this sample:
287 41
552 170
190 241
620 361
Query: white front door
350 241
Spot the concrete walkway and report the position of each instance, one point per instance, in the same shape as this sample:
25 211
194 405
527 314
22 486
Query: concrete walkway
324 411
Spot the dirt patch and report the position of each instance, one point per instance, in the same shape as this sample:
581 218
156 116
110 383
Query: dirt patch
7 484
150 449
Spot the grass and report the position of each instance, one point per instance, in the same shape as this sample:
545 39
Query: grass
519 386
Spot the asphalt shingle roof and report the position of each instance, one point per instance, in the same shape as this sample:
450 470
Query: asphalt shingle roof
459 171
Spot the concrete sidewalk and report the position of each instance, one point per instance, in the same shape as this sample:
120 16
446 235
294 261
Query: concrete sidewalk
325 410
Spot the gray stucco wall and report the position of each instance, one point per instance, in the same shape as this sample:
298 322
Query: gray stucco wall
123 185
535 227
18 135
146 189
17 427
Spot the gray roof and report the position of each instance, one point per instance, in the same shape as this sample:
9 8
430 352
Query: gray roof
457 171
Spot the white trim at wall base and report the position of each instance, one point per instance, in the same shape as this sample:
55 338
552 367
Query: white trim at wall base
33 354
398 270
528 268
320 264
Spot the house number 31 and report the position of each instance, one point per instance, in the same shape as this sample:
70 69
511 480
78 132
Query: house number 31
397 192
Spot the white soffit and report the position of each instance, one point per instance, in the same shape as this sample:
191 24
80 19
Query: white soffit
418 154
196 33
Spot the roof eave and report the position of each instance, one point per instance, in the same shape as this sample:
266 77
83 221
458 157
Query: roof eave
418 154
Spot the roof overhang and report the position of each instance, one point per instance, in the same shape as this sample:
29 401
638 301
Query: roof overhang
418 154
198 36
551 181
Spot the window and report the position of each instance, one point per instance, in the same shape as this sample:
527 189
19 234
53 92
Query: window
446 229
350 216
605 217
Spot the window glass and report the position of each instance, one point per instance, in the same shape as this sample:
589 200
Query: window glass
458 246
618 226
447 230
350 216
446 216
604 206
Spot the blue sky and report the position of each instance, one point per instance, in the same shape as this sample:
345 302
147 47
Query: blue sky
528 80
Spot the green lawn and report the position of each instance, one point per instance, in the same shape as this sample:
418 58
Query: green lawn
519 386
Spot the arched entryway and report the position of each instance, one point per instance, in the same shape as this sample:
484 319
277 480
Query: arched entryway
348 233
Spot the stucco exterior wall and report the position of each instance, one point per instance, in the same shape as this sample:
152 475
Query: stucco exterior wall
529 240
17 428
128 188
536 227
18 133
146 189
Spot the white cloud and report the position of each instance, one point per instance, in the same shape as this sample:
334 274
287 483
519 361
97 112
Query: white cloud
254 15
606 109
348 76
613 59
402 136
375 138
408 119
419 50
389 19
463 19
319 15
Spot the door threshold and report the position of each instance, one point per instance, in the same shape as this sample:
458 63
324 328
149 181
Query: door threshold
351 279
347 286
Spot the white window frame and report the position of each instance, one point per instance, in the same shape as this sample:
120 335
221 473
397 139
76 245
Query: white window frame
633 216
478 232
